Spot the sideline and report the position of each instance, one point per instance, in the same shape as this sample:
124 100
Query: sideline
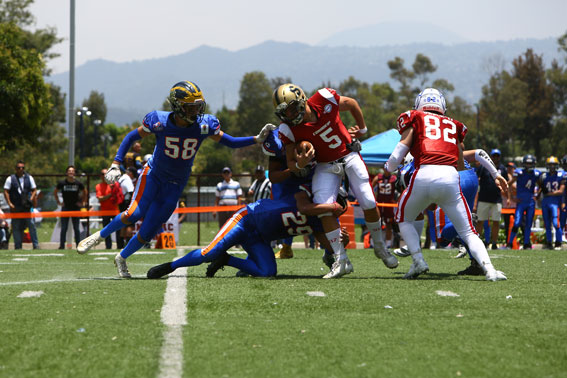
174 317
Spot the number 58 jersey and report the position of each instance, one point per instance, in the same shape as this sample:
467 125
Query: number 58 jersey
176 147
435 138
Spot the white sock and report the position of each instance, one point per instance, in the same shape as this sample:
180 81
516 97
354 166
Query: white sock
410 236
418 225
375 229
478 251
334 238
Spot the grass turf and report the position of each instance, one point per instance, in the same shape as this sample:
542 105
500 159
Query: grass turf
89 324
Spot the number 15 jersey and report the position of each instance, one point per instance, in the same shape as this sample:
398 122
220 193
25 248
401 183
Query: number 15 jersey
435 138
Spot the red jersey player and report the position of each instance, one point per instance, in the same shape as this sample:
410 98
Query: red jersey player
435 141
318 121
384 185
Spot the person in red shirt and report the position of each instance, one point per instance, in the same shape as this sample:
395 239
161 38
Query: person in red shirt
318 121
107 202
384 185
435 141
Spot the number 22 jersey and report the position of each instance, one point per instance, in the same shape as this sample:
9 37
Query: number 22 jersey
435 138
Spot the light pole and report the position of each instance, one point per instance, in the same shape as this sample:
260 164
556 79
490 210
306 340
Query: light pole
97 123
107 138
83 111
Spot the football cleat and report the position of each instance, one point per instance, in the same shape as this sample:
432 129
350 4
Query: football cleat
462 252
557 246
217 264
328 259
159 271
89 242
402 252
383 254
285 253
418 267
120 264
495 275
472 270
242 274
339 269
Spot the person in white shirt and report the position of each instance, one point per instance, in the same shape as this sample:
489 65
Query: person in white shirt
228 193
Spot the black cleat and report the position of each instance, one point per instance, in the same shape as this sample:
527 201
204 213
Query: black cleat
242 274
217 264
159 271
547 246
473 270
528 246
494 246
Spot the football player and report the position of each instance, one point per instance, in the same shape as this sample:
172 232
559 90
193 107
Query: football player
526 180
254 227
179 135
552 185
318 121
435 141
384 185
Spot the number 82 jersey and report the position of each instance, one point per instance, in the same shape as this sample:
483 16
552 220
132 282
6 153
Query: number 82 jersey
435 138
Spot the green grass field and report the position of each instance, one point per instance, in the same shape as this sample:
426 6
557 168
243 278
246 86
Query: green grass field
371 323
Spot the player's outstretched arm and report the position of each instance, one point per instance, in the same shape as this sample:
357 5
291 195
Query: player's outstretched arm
113 173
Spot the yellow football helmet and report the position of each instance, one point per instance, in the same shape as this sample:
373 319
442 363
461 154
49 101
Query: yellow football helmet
552 163
187 101
289 101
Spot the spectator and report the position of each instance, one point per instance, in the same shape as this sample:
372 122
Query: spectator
133 158
489 200
509 202
228 193
4 231
181 216
20 194
127 185
104 196
261 187
74 197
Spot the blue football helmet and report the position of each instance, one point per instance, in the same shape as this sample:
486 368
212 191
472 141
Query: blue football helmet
529 162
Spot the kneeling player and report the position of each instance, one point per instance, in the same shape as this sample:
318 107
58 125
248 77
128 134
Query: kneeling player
254 227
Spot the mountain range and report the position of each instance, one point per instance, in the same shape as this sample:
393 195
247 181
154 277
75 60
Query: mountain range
132 89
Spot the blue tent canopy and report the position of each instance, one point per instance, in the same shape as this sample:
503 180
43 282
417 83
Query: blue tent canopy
377 150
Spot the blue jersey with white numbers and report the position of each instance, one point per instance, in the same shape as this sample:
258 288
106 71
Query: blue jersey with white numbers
526 182
275 149
176 146
279 219
552 182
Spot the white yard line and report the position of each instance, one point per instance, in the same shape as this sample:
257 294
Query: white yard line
55 280
174 316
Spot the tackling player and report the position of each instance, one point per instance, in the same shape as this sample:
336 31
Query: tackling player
318 121
526 180
254 227
179 135
435 143
552 185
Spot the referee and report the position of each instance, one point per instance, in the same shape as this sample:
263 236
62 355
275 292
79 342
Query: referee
261 187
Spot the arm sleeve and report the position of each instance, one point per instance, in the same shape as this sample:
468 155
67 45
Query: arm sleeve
396 157
482 157
236 142
130 138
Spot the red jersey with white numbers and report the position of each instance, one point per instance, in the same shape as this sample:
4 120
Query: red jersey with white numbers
328 134
435 138
384 189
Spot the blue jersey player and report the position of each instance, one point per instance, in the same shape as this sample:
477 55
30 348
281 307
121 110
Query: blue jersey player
179 135
552 185
254 227
284 181
526 179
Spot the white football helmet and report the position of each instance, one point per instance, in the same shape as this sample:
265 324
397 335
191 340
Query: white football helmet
431 100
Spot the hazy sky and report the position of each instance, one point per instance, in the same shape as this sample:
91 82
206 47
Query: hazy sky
125 30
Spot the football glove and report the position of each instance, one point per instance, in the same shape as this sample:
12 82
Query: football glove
112 174
268 127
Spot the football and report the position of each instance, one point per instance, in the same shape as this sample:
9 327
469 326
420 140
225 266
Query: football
303 146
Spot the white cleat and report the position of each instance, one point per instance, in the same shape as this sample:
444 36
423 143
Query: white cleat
339 269
89 242
495 275
462 252
417 267
120 264
402 252
383 254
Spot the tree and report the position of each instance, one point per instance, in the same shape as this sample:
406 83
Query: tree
536 125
